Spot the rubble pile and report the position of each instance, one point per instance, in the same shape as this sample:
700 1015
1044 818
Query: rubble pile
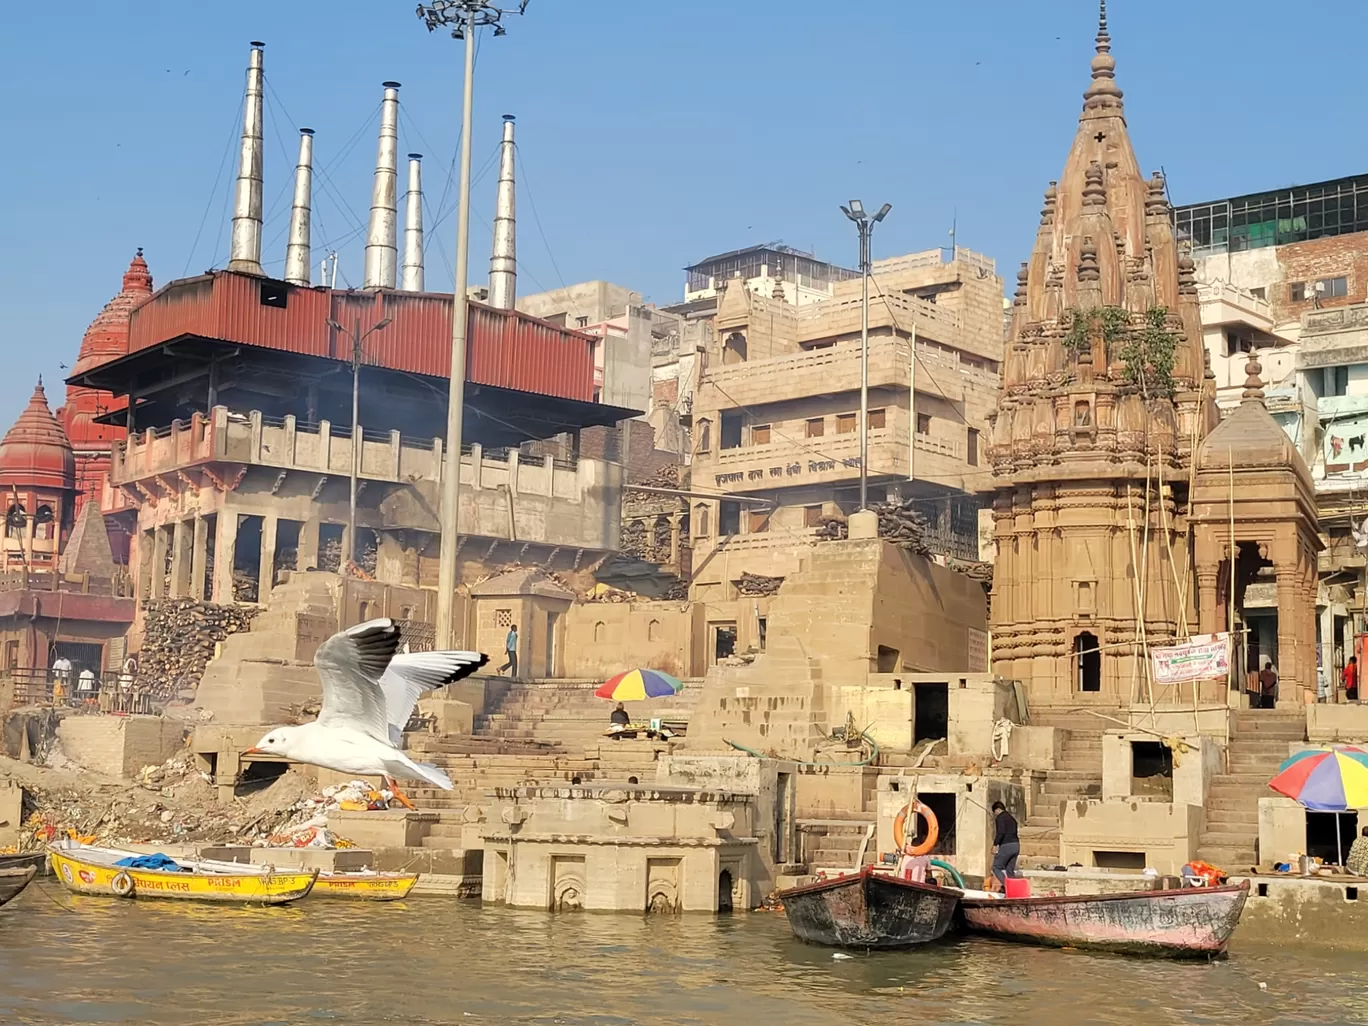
179 641
749 584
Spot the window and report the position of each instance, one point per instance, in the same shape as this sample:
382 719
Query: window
704 436
1259 293
845 423
274 293
812 516
12 654
734 348
876 419
653 631
759 521
1332 288
700 521
15 521
503 618
923 423
760 434
1296 292
728 518
1088 659
763 630
600 631
1238 343
814 428
1336 381
730 437
972 449
581 322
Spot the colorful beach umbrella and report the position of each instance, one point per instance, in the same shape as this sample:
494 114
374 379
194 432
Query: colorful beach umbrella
634 685
1325 779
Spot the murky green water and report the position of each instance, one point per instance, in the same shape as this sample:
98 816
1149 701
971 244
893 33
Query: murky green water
433 960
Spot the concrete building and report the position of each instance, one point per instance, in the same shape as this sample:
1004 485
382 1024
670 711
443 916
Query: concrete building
775 419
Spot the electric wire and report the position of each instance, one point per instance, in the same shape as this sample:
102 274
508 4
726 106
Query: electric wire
223 162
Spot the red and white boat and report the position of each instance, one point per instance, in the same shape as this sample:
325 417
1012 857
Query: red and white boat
1192 922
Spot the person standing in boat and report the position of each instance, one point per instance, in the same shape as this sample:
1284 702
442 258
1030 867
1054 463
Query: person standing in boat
1006 844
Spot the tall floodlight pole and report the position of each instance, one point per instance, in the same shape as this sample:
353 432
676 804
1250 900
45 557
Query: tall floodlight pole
463 17
358 339
864 223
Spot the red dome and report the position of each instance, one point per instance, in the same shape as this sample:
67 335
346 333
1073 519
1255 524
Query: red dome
35 452
107 337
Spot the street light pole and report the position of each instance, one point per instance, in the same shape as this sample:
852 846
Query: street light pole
463 17
357 338
864 224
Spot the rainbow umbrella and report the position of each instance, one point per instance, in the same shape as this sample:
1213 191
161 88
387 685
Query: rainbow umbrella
634 685
1325 779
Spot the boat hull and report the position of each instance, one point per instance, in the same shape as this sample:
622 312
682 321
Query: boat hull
870 910
81 876
1194 922
13 881
364 886
36 859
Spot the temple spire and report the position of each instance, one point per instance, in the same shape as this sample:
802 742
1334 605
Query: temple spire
1253 386
1103 92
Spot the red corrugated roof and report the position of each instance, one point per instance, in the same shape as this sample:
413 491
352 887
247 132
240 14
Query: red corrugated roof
505 348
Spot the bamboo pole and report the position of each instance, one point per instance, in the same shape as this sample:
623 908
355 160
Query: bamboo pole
1230 616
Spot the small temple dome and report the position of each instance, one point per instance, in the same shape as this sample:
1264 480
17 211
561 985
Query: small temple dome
1250 437
35 452
107 337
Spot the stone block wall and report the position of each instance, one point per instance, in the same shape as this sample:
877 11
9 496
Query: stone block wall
120 746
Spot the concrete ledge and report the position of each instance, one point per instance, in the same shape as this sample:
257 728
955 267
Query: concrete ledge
379 830
341 860
469 888
1326 723
1319 912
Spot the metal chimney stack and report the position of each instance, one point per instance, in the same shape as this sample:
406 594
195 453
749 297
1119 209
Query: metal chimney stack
382 240
298 252
244 252
411 278
503 263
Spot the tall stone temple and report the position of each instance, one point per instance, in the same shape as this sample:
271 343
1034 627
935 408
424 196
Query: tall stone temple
1106 395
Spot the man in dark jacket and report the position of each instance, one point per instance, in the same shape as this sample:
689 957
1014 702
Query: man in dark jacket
1006 844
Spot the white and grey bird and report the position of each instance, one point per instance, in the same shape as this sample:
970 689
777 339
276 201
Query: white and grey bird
1360 535
369 691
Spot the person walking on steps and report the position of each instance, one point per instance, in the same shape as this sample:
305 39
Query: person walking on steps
1006 844
511 648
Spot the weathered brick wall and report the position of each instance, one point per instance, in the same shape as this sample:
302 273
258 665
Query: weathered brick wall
1339 256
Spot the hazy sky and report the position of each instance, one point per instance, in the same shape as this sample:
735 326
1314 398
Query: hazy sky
652 133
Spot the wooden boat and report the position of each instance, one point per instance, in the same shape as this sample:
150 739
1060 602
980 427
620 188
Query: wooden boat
36 859
870 909
365 886
84 869
1192 922
12 881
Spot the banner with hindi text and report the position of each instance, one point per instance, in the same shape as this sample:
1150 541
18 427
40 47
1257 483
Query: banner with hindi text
1202 657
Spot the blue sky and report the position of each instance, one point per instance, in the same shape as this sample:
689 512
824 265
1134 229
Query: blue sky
652 133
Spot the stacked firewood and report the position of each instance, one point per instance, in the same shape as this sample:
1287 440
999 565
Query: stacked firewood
749 584
903 525
179 641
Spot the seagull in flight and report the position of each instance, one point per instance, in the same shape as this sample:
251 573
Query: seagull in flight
369 691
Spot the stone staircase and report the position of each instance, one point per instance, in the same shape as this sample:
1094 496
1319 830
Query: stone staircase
835 843
1077 775
1258 743
567 713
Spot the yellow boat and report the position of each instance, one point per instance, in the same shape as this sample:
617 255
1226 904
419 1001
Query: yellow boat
84 869
365 886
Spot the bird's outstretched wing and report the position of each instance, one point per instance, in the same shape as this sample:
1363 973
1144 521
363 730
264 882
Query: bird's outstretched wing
350 665
409 675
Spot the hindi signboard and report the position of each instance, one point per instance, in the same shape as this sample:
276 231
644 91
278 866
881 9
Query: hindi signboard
1201 657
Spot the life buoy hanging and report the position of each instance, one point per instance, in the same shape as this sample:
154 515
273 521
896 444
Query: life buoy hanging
122 885
932 829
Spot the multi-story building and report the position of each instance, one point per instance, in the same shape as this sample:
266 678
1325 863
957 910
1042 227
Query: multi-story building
775 411
1286 272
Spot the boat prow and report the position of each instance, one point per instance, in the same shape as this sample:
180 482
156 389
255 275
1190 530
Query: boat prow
1191 922
868 910
13 881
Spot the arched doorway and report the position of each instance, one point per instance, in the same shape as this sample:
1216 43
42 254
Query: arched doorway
1088 656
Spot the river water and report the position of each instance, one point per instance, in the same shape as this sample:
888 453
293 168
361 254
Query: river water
66 960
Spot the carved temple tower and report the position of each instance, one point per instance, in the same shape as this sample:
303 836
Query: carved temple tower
1105 396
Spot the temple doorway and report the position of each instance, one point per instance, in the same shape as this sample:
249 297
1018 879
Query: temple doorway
1087 656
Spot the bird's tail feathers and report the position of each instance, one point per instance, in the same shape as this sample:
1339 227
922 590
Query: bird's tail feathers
434 775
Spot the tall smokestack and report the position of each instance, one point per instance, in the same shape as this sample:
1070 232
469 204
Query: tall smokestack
503 263
411 279
298 254
244 252
382 241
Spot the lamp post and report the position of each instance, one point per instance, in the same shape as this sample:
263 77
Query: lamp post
864 223
357 338
463 17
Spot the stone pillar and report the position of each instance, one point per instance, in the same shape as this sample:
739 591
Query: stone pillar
1290 608
199 558
675 519
1209 618
180 559
225 545
266 573
308 544
161 540
142 555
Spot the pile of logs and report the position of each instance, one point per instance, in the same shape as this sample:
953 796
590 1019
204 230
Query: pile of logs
903 525
179 641
757 584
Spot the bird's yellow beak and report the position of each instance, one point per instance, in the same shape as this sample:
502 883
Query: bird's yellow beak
255 751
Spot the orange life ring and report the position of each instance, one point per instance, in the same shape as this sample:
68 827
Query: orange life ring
932 830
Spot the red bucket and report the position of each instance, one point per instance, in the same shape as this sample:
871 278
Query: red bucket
1017 887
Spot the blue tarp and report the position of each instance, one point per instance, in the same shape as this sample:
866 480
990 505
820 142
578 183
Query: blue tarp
158 861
